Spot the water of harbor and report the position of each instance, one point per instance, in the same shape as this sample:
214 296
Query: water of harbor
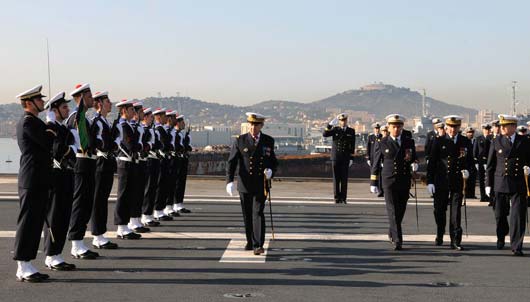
9 155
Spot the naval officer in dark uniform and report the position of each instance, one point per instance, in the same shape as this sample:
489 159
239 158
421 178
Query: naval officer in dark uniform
480 154
62 184
152 137
105 169
395 160
35 142
164 181
431 135
508 166
372 140
84 171
253 153
448 169
342 152
183 138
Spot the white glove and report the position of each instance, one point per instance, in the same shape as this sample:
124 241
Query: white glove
351 163
526 170
334 122
476 167
230 188
485 166
414 167
268 173
50 116
488 191
369 163
430 189
465 174
374 189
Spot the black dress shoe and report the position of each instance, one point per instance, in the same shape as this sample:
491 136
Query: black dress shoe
174 214
439 241
130 236
151 223
344 201
88 255
107 246
183 211
63 266
33 278
381 195
518 253
248 247
141 230
164 218
500 244
259 251
337 201
491 204
397 246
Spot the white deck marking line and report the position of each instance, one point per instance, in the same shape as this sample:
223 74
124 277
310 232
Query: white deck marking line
292 236
356 201
235 253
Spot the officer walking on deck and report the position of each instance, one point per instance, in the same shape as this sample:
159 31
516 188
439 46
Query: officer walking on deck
447 171
507 167
480 154
342 152
373 139
395 160
253 153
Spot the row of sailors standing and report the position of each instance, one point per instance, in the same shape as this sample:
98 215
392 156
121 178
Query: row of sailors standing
67 171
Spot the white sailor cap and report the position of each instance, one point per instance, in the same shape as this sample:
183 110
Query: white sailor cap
124 103
56 100
506 119
395 118
31 93
470 129
528 123
376 125
522 128
436 120
253 117
453 120
100 94
138 104
159 111
342 116
439 125
486 126
384 128
148 110
80 88
171 113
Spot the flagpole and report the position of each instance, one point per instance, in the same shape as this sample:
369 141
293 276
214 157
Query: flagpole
49 72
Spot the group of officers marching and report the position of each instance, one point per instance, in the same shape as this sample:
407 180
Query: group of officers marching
67 167
500 159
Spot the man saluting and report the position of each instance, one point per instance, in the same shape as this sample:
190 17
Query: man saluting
253 152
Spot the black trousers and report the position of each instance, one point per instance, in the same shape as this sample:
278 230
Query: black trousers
174 164
443 198
153 172
139 187
162 186
126 191
103 185
482 182
340 178
252 206
181 181
84 184
33 203
517 225
61 195
471 182
396 205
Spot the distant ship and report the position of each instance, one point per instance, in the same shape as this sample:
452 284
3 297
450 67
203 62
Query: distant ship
8 160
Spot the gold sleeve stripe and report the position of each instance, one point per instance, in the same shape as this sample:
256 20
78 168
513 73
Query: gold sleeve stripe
373 177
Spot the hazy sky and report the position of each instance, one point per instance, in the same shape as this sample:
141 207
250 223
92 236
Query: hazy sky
244 52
